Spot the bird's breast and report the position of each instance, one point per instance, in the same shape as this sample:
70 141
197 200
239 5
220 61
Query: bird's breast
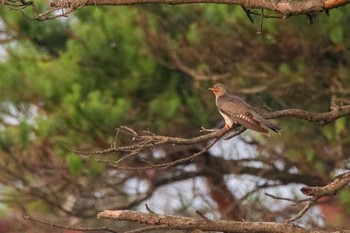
228 120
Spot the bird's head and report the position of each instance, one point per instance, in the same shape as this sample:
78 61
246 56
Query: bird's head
219 90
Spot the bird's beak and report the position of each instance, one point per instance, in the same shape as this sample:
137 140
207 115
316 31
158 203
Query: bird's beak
212 89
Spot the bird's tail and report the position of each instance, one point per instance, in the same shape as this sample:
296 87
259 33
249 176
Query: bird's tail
271 126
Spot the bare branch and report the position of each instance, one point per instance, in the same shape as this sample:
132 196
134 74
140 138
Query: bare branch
285 8
330 189
149 140
316 193
288 199
104 228
165 165
148 228
319 118
192 223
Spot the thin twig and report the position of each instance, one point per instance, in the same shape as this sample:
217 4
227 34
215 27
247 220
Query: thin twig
149 209
148 228
104 228
303 211
295 201
202 215
163 165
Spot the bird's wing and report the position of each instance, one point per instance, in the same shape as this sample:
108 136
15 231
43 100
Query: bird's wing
240 112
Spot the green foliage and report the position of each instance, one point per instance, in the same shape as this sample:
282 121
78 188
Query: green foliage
328 132
197 108
97 110
74 163
320 167
192 34
340 125
310 155
13 136
24 133
344 197
337 34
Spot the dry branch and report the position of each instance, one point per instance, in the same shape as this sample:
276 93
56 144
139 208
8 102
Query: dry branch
319 118
330 189
44 222
191 223
285 8
148 140
316 193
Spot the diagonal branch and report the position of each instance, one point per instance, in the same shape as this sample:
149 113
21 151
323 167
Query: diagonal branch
316 193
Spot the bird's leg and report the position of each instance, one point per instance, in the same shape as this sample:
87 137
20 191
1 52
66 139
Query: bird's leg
227 126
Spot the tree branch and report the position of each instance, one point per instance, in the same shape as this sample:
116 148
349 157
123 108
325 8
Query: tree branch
149 140
286 8
94 229
319 118
191 223
316 193
283 7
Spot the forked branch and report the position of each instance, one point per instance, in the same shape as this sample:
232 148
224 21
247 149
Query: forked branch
316 193
148 140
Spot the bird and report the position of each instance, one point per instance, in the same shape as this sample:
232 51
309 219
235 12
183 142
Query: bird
235 110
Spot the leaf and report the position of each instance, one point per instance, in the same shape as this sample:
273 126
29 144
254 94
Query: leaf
192 34
337 34
344 197
165 105
340 125
328 132
320 167
310 155
74 163
284 69
24 133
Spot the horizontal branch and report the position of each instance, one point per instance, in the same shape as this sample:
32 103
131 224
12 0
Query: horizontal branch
188 223
148 140
151 140
191 223
44 222
319 118
284 7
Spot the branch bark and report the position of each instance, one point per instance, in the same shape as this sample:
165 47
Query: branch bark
319 118
149 140
190 223
317 192
283 7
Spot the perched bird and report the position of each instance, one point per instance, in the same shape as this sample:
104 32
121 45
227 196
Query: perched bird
235 110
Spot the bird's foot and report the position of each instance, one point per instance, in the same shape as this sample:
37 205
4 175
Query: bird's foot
227 127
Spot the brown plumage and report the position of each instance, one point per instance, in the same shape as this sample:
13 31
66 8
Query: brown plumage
236 110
